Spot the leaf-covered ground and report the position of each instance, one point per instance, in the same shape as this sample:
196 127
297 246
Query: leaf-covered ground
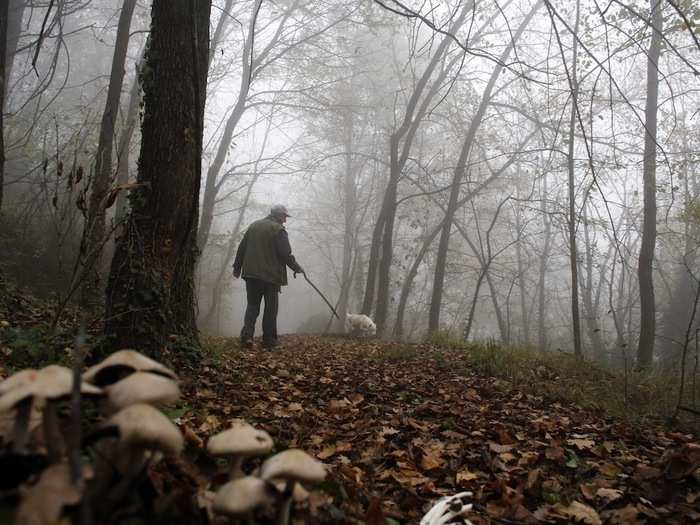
400 426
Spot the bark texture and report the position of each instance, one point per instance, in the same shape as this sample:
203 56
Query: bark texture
150 295
645 350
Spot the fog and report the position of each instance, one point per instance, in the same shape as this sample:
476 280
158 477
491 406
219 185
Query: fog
469 161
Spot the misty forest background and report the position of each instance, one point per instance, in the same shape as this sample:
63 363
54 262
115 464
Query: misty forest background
522 172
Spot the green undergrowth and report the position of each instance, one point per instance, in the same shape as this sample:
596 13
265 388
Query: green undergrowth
648 395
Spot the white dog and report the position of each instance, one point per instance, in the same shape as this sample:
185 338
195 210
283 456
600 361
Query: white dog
361 323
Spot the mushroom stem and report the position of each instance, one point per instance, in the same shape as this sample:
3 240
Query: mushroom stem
21 430
286 508
137 465
52 432
237 468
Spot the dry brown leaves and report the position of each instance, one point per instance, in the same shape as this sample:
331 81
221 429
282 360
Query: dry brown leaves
399 431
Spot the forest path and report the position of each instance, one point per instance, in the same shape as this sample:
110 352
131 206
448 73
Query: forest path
400 425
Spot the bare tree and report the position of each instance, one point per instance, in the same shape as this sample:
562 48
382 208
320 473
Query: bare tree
400 142
573 219
460 172
645 350
102 180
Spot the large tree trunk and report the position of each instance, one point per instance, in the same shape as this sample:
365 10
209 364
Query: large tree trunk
96 217
459 173
150 295
645 350
4 11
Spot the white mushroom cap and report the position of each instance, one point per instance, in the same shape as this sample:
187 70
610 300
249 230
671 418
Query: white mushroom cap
293 464
237 498
50 382
241 439
142 387
145 426
18 379
128 359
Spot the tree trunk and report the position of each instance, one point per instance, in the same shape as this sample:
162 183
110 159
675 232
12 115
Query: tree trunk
150 295
502 323
586 285
459 173
373 263
387 252
522 287
220 30
349 213
408 281
4 12
645 350
122 175
572 218
96 217
472 308
13 29
676 316
542 303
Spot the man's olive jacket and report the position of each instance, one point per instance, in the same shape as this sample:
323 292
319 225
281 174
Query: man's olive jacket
265 253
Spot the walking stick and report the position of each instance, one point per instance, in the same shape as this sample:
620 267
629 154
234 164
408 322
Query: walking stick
322 296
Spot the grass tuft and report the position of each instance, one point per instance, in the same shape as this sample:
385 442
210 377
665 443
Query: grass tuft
649 395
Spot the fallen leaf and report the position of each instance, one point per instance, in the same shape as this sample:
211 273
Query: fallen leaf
465 475
579 512
554 453
581 444
609 469
608 495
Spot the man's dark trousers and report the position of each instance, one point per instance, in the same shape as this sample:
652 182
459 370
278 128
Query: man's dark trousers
256 290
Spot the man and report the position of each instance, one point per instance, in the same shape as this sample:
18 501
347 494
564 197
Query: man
262 259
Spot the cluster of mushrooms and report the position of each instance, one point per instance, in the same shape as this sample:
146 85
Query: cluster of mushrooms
131 435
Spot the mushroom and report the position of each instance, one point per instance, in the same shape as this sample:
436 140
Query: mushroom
49 384
292 465
142 387
240 497
142 426
123 363
240 441
18 379
143 432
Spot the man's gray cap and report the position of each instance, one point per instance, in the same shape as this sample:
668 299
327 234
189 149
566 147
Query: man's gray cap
279 209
